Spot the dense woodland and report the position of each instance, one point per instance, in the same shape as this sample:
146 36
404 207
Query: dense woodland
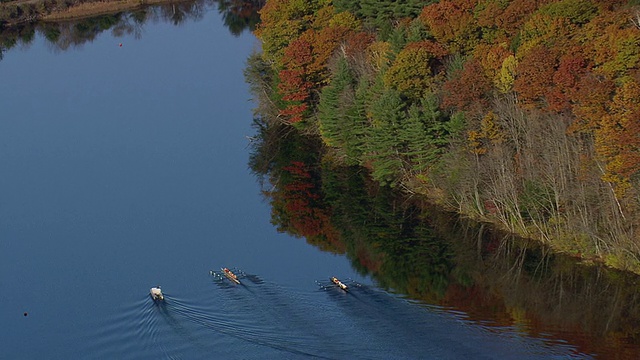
522 113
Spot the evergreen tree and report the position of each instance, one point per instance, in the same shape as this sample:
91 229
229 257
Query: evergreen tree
352 6
388 114
424 134
331 117
359 133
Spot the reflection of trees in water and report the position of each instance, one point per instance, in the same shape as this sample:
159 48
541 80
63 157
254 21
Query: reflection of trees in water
240 15
541 291
75 33
237 15
428 254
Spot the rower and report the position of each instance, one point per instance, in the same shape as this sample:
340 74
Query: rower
156 293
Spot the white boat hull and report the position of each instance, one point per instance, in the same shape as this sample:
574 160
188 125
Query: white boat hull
156 293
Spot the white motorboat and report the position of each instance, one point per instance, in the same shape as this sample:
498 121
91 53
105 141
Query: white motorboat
156 293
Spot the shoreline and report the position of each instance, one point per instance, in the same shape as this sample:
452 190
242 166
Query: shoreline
103 7
18 12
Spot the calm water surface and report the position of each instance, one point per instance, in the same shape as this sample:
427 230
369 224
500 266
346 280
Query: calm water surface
124 167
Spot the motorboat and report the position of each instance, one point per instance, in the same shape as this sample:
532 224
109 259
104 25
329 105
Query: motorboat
339 283
156 293
230 275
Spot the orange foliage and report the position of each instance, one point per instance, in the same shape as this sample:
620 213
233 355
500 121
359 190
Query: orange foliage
357 43
491 57
489 13
612 43
535 75
451 22
618 136
516 13
591 97
295 85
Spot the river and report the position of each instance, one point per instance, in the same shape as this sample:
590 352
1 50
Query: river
123 161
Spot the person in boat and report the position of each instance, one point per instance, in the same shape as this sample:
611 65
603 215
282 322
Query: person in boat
156 293
229 273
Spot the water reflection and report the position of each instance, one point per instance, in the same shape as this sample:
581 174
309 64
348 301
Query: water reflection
238 16
425 253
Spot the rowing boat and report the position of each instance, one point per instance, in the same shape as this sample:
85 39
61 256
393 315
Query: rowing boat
231 276
339 283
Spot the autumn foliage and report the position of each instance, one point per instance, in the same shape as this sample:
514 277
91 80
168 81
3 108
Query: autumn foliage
541 97
469 88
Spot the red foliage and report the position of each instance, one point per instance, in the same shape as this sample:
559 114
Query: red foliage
571 68
305 68
535 75
358 43
294 84
468 90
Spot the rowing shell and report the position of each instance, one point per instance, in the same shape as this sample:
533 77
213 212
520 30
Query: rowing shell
231 276
339 283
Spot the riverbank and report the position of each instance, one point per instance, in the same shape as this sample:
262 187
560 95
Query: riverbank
524 129
14 13
100 8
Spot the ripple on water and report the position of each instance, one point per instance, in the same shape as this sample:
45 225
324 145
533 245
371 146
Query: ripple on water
260 319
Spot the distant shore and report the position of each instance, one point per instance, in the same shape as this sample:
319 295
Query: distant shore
13 13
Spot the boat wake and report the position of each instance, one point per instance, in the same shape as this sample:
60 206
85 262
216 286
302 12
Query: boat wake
261 319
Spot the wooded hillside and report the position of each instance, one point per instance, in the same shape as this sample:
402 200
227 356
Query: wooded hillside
522 113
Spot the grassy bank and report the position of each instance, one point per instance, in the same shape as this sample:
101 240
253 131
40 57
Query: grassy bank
89 9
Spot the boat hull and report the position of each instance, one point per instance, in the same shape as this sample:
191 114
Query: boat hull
340 284
230 276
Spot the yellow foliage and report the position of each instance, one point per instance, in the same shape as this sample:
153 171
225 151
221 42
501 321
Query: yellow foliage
411 71
379 54
491 57
507 75
347 20
490 129
475 142
621 184
542 29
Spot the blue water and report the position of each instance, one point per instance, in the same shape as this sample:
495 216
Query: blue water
122 168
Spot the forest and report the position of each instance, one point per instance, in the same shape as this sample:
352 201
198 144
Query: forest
522 114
